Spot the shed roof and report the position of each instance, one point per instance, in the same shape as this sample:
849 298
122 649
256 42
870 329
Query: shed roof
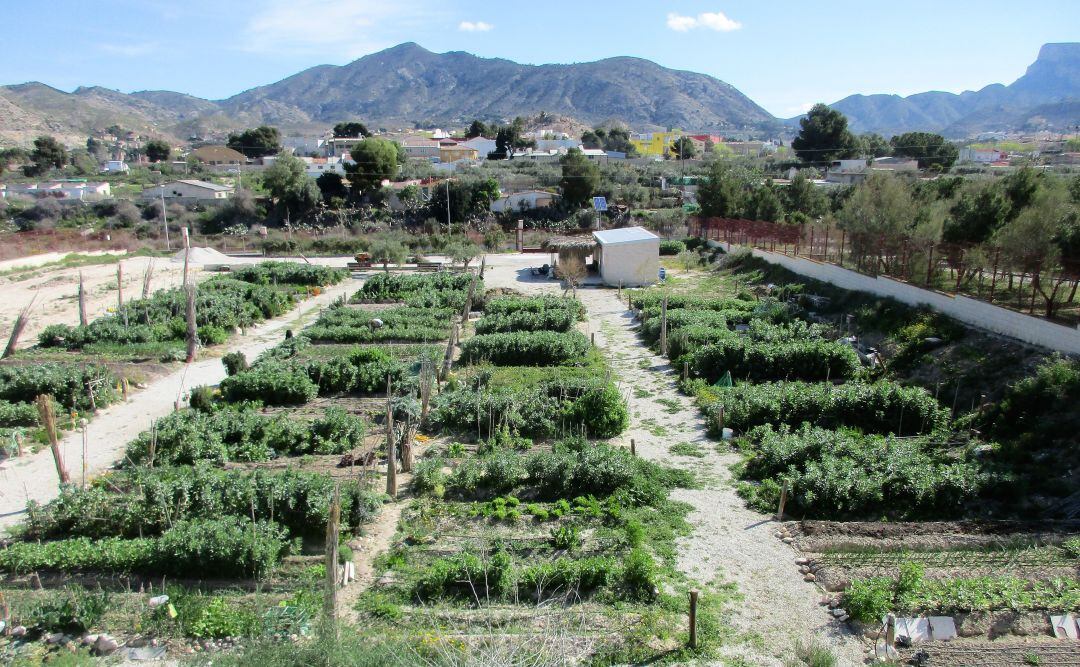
624 235
570 243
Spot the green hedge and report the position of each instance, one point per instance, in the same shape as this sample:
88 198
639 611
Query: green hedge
837 474
270 383
18 414
746 359
544 320
506 305
147 501
288 273
872 408
212 548
65 382
526 348
671 247
243 434
353 325
424 290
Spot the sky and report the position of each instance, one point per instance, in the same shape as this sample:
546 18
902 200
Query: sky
784 54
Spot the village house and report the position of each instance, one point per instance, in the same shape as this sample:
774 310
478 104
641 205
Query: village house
65 189
218 156
188 192
523 201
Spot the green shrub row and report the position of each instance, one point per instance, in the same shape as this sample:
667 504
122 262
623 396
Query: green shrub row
270 383
425 290
648 300
545 320
506 305
240 433
526 348
353 325
879 407
288 273
18 414
204 548
221 304
746 359
147 501
65 382
838 474
671 247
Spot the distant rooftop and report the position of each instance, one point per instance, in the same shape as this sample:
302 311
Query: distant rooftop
624 235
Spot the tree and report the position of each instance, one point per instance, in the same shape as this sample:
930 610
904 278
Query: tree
350 130
468 198
721 194
374 161
478 129
823 136
464 252
593 138
289 186
977 213
332 186
96 148
873 144
83 163
48 154
580 178
805 198
1030 242
683 149
259 142
157 150
931 150
878 216
764 203
1020 188
387 249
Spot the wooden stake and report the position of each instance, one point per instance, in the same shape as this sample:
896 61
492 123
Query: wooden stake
192 335
783 501
391 450
693 618
148 275
82 422
124 388
82 301
592 338
119 286
16 331
406 448
48 420
332 523
686 370
633 447
663 327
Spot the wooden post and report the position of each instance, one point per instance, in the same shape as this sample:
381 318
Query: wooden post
663 327
5 615
82 301
119 286
406 447
18 442
783 501
685 370
148 275
633 447
83 423
592 338
124 388
890 632
48 420
449 357
720 420
427 378
693 619
391 449
16 331
332 523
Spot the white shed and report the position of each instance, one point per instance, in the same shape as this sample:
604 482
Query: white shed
628 256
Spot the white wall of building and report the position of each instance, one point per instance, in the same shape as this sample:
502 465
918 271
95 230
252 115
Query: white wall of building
631 264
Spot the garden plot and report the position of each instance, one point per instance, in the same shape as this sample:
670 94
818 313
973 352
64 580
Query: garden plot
220 498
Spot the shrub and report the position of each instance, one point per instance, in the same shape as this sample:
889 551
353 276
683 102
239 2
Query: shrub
639 576
271 383
18 414
201 398
815 360
289 273
603 411
234 362
671 247
352 325
868 600
531 348
65 382
511 305
544 320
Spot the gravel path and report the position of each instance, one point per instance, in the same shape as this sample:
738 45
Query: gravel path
730 541
34 477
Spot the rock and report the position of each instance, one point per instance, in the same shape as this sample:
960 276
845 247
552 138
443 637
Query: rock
106 645
18 631
838 612
802 561
87 640
787 540
804 570
810 577
843 618
55 638
157 601
778 534
825 601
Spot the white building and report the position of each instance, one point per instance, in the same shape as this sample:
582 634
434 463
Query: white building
525 200
482 145
896 164
60 189
188 191
629 257
317 166
115 167
981 155
304 145
846 172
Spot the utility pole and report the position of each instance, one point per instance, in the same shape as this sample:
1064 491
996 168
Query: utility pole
165 219
448 228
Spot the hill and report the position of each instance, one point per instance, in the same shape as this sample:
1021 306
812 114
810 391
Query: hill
1045 97
400 86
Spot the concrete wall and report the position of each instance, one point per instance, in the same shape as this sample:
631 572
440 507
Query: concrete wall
1026 328
630 264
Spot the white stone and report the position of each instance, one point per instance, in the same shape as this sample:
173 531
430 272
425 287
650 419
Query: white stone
809 577
106 645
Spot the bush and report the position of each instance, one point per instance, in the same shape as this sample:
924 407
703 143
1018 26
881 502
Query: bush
18 414
352 325
639 576
271 383
815 360
509 305
531 348
289 273
544 320
432 290
671 247
234 362
65 382
873 408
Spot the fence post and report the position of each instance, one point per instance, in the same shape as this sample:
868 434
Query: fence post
391 449
633 447
693 619
48 420
685 370
663 327
783 501
330 601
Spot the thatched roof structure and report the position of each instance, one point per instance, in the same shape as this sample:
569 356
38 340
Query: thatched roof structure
570 243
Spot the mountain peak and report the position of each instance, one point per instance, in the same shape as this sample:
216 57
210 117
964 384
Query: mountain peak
1059 52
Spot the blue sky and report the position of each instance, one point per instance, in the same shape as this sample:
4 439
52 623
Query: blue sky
784 54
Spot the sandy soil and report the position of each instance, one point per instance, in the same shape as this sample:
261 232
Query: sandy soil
34 477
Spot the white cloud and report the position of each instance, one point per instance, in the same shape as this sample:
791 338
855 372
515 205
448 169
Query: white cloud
128 50
711 20
798 109
474 26
327 29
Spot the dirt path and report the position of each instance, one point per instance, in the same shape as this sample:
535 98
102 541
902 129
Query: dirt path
34 477
729 542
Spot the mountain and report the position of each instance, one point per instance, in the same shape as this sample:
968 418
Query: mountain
403 85
1043 98
410 83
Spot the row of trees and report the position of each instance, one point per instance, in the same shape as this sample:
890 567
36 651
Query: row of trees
824 136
